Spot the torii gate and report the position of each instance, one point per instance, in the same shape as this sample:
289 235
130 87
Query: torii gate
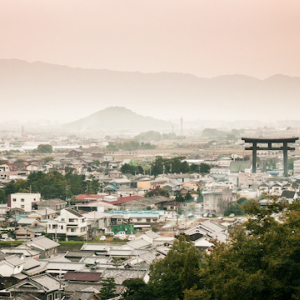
284 147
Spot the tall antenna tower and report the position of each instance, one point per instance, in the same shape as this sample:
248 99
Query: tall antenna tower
181 125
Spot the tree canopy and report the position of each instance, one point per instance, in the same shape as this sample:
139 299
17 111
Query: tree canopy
54 185
44 148
261 260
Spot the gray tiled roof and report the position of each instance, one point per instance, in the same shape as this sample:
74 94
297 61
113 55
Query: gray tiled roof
14 260
42 243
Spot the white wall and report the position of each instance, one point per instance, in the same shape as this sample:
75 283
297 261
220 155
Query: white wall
24 200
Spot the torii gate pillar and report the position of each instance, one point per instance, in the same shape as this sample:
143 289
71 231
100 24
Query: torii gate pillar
284 148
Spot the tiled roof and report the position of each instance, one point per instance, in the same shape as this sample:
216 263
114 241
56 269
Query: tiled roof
83 276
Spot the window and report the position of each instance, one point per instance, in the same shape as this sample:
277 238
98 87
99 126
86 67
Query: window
14 199
22 206
62 219
22 200
62 227
50 297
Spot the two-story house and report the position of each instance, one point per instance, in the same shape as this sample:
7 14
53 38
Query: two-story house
68 225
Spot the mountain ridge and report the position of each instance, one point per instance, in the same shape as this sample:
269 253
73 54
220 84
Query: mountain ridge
116 118
43 90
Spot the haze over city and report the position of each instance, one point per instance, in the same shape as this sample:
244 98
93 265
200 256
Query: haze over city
206 39
149 149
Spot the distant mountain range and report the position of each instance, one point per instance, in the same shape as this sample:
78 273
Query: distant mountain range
116 119
46 91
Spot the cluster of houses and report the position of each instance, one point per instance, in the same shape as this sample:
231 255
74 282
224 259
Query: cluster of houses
43 269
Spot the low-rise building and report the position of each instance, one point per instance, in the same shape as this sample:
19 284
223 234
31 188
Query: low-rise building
24 201
70 224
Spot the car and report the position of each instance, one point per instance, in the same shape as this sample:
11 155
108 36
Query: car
220 218
205 215
121 235
131 237
231 215
103 238
7 239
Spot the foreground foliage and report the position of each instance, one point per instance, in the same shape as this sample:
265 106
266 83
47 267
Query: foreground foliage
261 261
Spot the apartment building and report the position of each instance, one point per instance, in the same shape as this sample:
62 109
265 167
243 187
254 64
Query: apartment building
24 201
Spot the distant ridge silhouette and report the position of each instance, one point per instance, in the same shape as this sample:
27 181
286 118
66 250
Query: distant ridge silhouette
46 91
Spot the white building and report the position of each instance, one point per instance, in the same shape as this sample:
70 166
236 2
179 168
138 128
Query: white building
23 200
296 167
10 266
69 224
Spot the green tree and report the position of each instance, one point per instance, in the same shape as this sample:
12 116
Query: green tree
204 168
185 168
3 198
261 261
200 197
157 192
96 162
44 148
108 288
48 159
178 271
137 289
188 197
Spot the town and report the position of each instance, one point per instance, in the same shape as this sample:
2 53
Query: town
78 213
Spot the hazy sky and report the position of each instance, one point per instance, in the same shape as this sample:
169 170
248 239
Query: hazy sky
203 37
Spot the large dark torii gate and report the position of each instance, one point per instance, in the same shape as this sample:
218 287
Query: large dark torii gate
284 147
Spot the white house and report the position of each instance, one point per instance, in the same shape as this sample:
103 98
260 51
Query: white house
23 200
69 224
11 265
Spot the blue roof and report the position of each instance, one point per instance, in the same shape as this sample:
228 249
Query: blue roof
138 213
19 217
114 186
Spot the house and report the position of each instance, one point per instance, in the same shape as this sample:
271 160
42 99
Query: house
121 182
28 233
54 204
202 233
42 214
24 201
31 222
69 224
21 250
216 201
44 287
32 168
289 196
155 239
97 155
99 222
47 247
4 172
74 153
11 266
84 295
